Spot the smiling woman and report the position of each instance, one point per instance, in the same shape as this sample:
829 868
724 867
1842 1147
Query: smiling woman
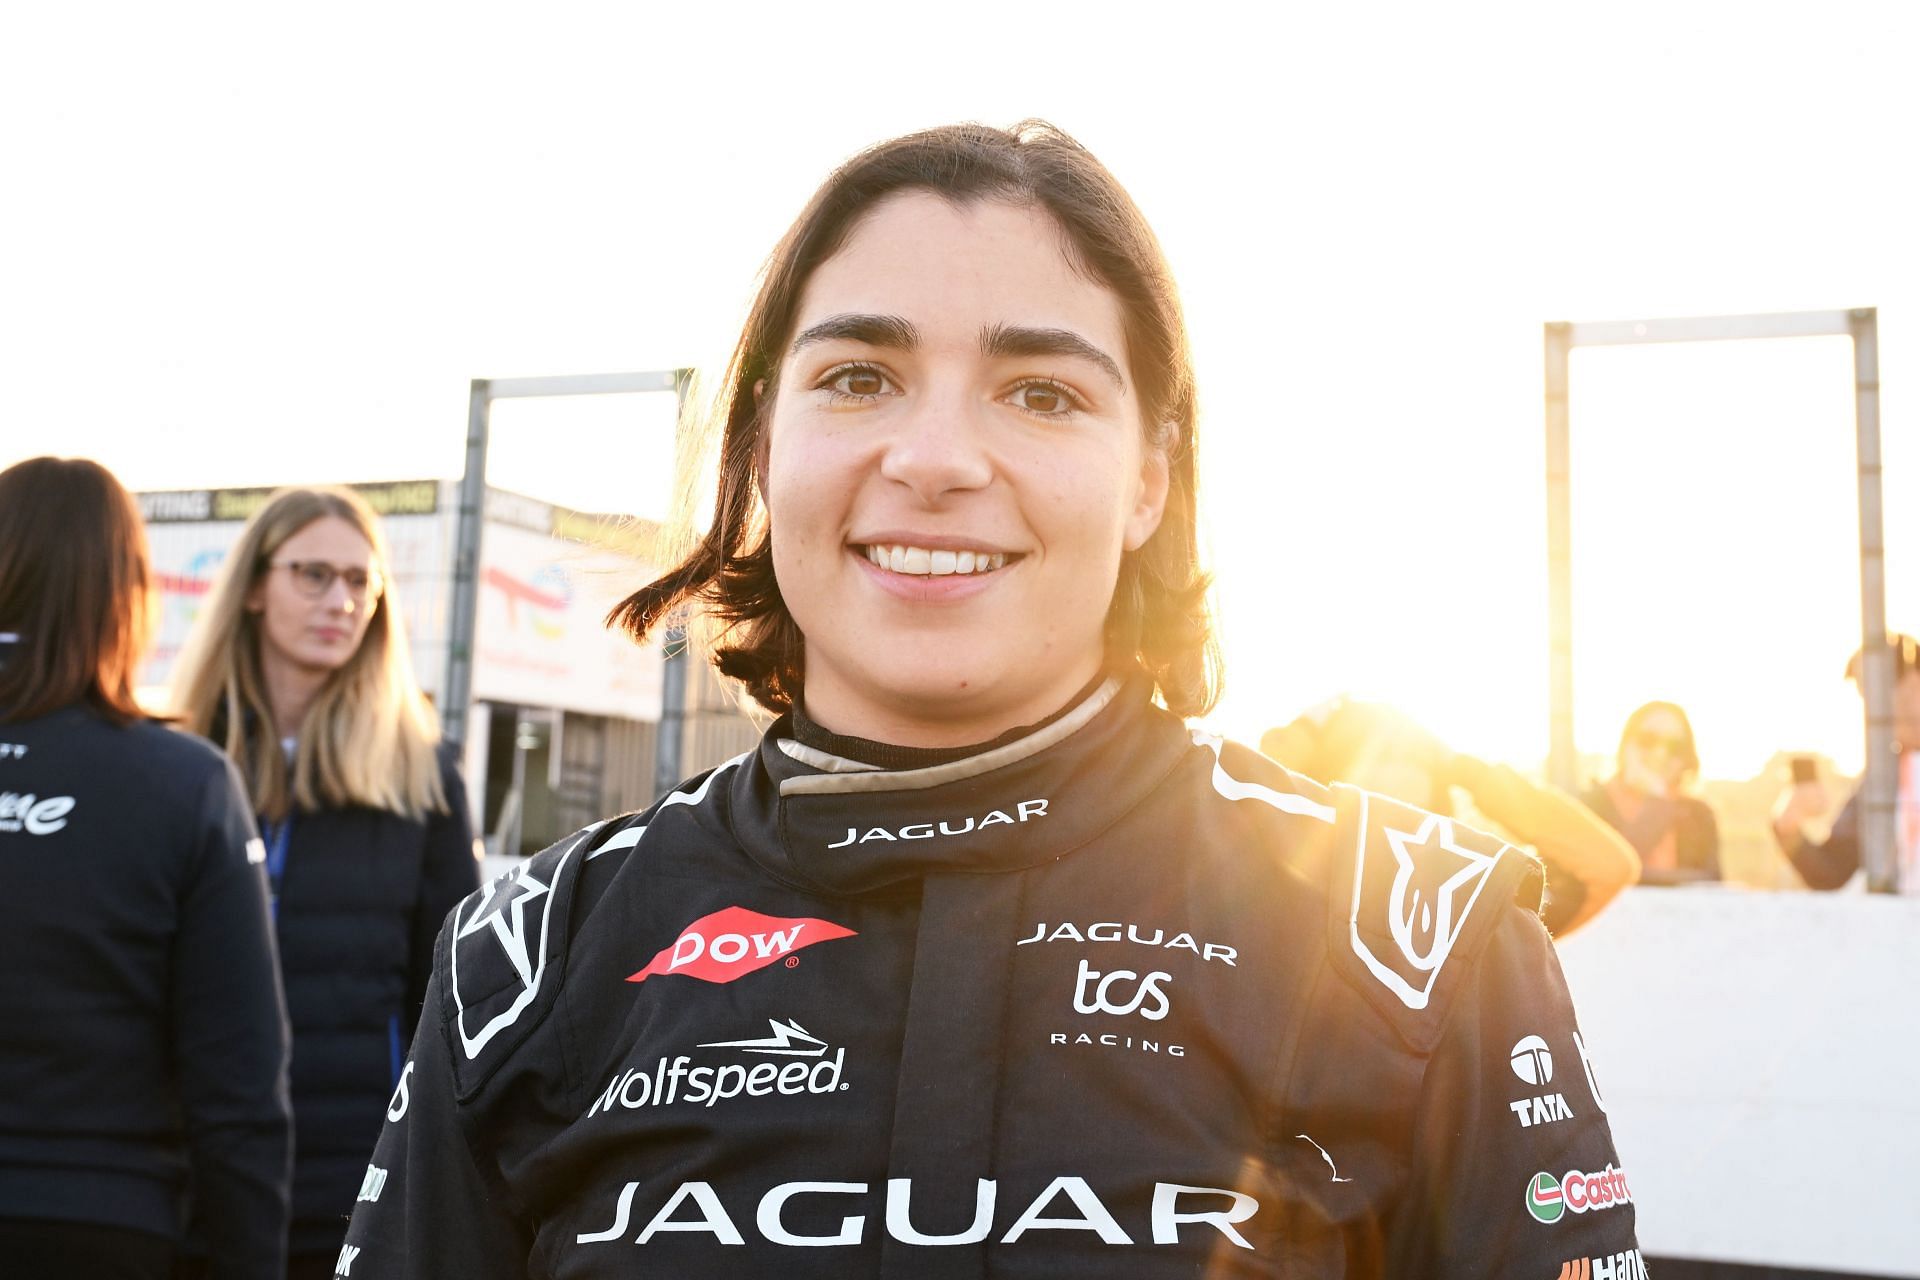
954 550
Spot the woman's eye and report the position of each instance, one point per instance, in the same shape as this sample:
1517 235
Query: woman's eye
1042 397
858 381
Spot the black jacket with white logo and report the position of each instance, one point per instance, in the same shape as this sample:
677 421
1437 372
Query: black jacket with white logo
1114 999
143 1039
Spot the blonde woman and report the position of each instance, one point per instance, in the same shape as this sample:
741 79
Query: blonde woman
299 669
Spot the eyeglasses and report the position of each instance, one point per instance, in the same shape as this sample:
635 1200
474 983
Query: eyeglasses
1648 740
314 578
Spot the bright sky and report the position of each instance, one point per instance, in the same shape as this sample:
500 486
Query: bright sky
255 244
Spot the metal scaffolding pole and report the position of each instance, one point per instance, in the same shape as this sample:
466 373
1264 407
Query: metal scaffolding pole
1879 788
1562 761
472 521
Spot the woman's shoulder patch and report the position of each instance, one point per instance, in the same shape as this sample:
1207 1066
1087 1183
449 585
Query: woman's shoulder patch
501 956
1414 897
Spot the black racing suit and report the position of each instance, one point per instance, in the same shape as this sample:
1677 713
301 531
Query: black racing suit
1113 999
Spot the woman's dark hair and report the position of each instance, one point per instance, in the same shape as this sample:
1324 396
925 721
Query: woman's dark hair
1689 755
75 587
1158 616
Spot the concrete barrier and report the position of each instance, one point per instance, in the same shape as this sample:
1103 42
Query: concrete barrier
1759 1054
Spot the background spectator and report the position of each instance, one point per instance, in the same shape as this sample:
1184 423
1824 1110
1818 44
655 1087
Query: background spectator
299 667
1830 863
146 1041
1674 833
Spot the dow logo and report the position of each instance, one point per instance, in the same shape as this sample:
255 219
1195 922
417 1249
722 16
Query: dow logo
1532 1061
1544 1200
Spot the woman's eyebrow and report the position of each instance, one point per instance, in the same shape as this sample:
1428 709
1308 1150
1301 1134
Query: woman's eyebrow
874 330
1013 340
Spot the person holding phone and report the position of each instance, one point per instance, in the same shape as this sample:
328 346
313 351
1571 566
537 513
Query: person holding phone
1830 863
1648 801
983 962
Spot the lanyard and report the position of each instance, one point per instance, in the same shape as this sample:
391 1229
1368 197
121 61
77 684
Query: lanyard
277 835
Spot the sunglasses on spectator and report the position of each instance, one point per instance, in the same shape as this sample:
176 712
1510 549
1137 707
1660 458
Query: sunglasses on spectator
314 578
1648 740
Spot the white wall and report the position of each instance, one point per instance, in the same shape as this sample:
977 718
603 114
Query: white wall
1760 1058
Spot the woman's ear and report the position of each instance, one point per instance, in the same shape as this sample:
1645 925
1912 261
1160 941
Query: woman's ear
761 449
1150 499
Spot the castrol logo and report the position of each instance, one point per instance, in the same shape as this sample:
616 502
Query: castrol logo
732 943
1549 1198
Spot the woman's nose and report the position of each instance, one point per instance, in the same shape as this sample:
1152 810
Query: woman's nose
937 447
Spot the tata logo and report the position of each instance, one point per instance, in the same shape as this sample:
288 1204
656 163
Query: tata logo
1122 991
1542 1110
732 943
1532 1061
33 815
1025 811
1065 1204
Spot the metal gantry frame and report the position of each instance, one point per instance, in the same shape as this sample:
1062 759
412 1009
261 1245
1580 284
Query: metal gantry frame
466 558
1878 788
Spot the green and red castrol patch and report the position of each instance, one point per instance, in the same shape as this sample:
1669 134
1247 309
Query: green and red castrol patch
1549 1198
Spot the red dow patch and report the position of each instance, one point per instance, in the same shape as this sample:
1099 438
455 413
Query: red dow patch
733 943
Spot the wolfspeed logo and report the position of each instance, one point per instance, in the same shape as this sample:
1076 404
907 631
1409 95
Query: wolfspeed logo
732 943
1614 1266
1548 1197
696 1207
678 1080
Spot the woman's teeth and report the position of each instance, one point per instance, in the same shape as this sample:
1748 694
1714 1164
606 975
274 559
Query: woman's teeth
935 563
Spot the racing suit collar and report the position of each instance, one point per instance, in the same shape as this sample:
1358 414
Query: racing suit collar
839 825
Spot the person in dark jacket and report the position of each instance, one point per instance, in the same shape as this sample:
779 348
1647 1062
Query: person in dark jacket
1648 801
983 963
1831 863
145 1042
299 668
